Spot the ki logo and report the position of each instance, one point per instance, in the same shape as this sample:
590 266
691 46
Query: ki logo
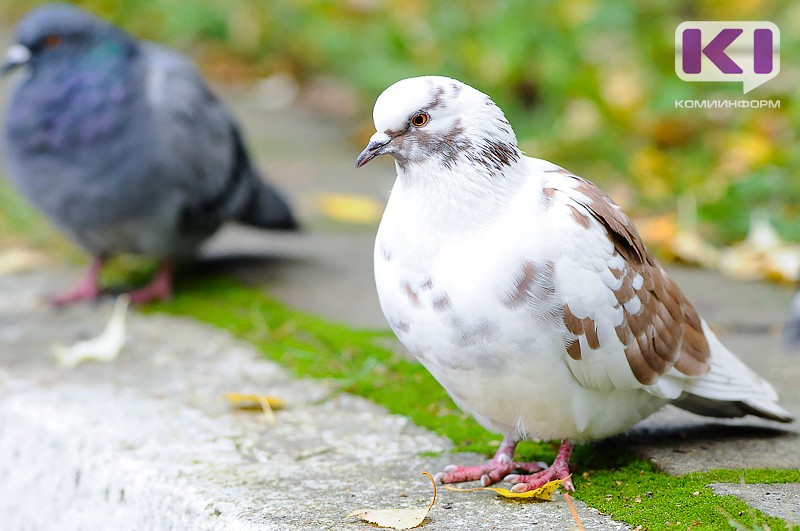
746 51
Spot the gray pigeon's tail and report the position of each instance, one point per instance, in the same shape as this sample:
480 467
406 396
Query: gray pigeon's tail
264 206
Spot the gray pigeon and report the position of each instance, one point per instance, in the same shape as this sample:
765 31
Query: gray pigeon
121 143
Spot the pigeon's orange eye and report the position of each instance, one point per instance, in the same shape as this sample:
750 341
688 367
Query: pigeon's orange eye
419 119
52 40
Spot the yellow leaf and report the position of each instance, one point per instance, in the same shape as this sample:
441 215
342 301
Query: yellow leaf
265 403
350 208
396 518
543 493
253 401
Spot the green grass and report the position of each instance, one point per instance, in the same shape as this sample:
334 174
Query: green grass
630 490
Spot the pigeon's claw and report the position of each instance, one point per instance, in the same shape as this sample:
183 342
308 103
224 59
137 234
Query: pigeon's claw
500 466
558 470
488 473
87 288
524 483
81 292
159 289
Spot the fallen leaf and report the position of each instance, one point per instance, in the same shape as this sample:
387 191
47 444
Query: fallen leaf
350 208
543 493
253 401
763 254
105 347
265 403
18 259
396 518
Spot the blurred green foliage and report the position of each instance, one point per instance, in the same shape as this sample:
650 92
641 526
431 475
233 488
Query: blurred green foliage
589 84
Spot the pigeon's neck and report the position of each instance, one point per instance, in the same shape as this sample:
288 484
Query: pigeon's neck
74 103
465 197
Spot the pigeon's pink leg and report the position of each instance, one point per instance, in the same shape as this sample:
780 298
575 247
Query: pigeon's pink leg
495 470
160 288
87 288
558 470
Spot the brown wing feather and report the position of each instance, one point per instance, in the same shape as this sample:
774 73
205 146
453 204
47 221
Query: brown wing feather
666 331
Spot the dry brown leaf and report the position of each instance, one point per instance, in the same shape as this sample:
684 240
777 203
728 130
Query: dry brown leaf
397 518
543 493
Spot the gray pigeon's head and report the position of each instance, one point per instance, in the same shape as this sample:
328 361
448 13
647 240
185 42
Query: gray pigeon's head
441 121
53 32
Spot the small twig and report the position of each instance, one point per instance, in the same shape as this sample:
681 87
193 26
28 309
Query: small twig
268 413
574 512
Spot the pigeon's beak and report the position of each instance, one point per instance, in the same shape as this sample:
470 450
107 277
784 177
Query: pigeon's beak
16 56
375 148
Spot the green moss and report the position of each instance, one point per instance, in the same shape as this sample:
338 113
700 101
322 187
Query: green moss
639 494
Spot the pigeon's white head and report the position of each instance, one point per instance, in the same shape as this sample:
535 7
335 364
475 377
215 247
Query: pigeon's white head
433 120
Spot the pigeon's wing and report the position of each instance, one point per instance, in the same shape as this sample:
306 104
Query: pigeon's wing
200 149
628 325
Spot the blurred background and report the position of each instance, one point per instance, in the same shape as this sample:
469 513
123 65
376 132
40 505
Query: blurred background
589 84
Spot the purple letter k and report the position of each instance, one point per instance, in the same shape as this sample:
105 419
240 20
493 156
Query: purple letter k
714 50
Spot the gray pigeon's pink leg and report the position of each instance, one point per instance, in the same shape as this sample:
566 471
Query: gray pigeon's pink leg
87 288
160 288
558 470
495 470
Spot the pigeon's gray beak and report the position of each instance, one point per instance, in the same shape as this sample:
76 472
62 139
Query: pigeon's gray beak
17 55
375 148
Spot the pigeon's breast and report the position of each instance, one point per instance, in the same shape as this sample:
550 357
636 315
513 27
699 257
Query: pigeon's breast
481 320
62 109
79 146
481 311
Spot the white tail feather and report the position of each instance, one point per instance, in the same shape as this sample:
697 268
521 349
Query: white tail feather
730 388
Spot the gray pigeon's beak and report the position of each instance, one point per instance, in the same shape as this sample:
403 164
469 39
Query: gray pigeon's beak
375 148
17 55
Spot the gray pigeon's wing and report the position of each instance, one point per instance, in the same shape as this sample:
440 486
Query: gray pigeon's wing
199 146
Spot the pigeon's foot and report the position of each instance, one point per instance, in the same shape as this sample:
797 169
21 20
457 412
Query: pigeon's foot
558 470
160 288
500 466
87 288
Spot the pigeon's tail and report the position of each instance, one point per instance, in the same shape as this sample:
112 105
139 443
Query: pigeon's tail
730 388
266 208
263 206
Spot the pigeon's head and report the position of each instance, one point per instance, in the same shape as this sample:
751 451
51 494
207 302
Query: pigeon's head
441 121
54 32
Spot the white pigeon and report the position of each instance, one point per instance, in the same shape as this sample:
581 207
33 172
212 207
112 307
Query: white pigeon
527 292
